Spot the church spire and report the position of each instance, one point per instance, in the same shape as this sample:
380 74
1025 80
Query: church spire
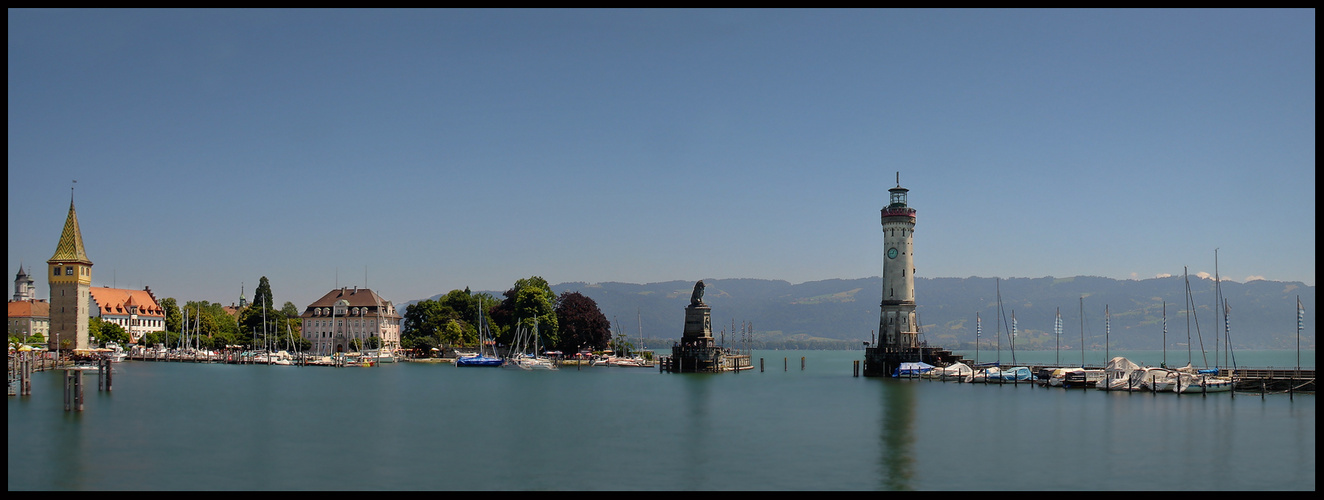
70 248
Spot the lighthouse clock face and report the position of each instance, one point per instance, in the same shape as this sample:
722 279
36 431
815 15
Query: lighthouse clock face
891 253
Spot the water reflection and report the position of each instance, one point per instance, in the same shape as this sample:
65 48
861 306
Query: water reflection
897 432
70 447
697 435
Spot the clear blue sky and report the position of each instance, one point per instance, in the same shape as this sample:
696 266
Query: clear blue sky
437 149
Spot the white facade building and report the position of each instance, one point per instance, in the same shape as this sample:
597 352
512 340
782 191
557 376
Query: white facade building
134 310
346 314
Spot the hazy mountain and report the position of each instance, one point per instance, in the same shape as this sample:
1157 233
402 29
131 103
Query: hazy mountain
1263 313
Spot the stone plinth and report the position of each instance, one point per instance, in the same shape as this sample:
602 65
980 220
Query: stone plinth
698 326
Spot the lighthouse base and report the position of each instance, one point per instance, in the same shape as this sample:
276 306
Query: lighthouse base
882 361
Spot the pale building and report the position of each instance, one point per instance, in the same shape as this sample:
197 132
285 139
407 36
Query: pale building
27 315
28 318
137 311
24 286
346 314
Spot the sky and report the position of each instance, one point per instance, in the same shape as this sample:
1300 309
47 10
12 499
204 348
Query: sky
416 152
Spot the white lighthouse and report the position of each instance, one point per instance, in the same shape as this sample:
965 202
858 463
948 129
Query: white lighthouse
896 323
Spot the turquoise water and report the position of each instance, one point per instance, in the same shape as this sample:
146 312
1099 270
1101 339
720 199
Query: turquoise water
414 426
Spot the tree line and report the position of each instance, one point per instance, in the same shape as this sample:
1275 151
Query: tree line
569 322
211 326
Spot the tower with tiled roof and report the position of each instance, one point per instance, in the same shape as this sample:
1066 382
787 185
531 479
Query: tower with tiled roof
24 288
70 275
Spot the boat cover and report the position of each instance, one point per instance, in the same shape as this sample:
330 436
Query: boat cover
1117 376
957 370
912 369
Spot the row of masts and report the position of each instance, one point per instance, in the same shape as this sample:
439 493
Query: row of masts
1222 305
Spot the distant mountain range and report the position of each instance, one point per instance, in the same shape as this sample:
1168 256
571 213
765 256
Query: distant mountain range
1263 313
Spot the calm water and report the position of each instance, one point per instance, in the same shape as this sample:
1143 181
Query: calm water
414 426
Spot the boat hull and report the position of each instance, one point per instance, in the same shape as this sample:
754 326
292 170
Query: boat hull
478 361
1203 385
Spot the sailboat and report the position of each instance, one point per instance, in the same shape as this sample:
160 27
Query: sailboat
627 359
989 372
384 353
481 359
1077 377
529 361
1200 381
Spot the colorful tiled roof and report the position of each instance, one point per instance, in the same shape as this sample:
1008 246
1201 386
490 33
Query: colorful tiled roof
115 301
70 248
29 309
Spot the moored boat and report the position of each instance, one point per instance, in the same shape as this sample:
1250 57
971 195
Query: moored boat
984 373
960 372
912 369
1201 382
1081 378
1117 376
1014 374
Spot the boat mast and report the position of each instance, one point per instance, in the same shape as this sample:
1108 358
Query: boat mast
1186 274
1190 299
1300 318
998 285
1013 337
1082 331
979 331
1165 334
1057 330
1231 357
1218 302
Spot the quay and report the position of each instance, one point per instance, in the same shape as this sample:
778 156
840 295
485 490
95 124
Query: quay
1249 380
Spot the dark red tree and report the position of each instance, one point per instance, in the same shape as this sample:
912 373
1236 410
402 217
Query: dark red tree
582 324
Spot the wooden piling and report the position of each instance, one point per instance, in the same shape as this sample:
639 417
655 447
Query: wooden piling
73 390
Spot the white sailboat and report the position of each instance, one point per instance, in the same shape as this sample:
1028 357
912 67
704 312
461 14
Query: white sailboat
1192 380
1118 375
530 361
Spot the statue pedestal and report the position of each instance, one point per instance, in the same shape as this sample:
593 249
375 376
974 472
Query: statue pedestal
696 352
698 326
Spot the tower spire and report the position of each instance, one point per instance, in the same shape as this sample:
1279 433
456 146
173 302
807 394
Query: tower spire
70 275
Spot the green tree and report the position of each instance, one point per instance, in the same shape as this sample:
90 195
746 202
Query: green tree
454 334
445 322
423 319
530 297
289 310
101 331
262 296
173 318
214 322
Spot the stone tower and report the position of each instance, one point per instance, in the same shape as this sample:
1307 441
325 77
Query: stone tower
70 275
896 323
